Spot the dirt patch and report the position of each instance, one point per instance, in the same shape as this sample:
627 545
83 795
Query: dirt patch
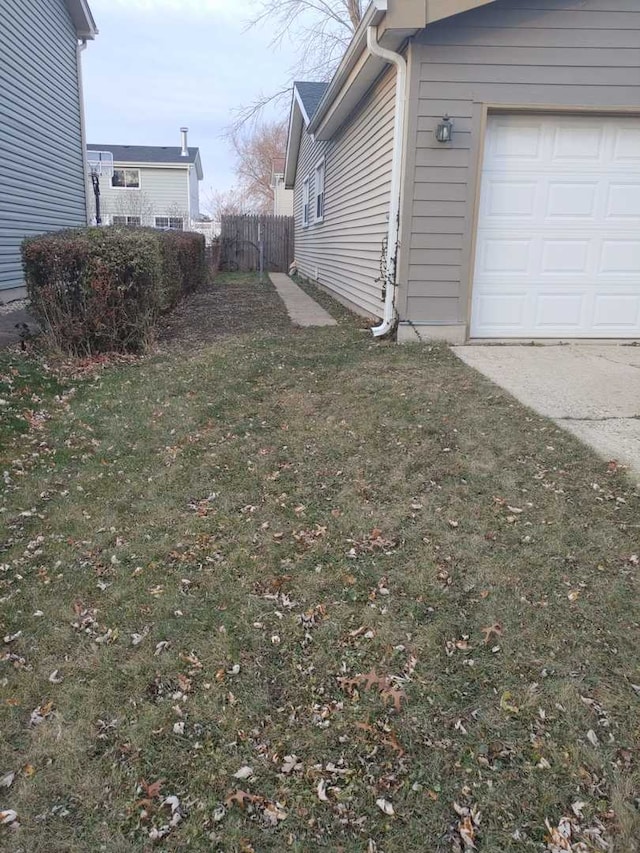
233 304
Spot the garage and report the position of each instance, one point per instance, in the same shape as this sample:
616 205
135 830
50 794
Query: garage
558 233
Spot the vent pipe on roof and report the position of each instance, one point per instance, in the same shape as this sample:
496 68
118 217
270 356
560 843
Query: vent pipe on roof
185 148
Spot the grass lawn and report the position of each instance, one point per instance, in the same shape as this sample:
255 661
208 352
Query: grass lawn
300 590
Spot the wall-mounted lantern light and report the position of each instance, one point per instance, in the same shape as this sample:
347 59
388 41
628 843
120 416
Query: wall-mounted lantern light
444 131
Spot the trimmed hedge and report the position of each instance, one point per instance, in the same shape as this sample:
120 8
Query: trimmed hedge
99 290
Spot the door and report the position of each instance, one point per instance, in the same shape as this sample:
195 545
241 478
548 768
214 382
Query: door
558 241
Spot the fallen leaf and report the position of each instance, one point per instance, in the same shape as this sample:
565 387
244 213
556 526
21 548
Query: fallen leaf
40 714
559 838
153 790
490 631
242 798
506 705
467 832
385 806
6 781
467 825
577 808
244 773
274 813
10 638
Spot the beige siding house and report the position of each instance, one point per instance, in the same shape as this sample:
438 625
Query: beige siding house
156 186
282 197
472 171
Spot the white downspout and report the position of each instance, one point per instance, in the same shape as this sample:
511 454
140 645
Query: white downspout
81 47
399 61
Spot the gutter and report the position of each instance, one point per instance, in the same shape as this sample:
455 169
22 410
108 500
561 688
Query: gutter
390 315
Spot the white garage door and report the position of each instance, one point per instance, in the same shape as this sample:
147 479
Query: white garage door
558 244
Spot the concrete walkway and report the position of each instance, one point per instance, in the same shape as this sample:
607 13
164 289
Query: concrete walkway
591 391
303 310
9 334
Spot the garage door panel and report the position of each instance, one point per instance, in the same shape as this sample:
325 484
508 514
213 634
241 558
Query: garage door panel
516 145
509 199
503 312
577 141
626 148
565 257
508 256
558 240
616 311
623 201
571 199
621 257
560 310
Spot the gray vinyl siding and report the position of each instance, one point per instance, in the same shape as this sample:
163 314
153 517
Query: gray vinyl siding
547 53
163 192
343 253
42 184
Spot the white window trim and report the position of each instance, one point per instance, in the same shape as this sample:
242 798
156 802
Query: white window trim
127 224
169 220
321 164
306 202
127 169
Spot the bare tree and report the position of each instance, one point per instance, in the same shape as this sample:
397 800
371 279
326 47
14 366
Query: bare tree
322 29
327 25
256 149
131 203
230 203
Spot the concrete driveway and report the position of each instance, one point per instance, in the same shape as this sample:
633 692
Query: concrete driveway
592 391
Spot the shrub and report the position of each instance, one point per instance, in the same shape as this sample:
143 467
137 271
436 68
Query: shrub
101 289
185 266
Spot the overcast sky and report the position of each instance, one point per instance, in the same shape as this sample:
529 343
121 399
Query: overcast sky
159 64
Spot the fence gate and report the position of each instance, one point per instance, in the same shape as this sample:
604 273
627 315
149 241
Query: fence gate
240 238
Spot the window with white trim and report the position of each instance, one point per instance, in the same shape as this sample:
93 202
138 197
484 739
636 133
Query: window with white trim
306 201
173 223
319 191
126 179
127 220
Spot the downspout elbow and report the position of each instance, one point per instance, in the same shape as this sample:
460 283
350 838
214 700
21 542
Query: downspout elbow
390 56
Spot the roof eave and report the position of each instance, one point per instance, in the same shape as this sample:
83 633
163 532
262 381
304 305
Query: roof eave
148 164
397 22
296 124
83 19
371 18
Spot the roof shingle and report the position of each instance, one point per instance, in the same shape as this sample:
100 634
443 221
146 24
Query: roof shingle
147 153
311 94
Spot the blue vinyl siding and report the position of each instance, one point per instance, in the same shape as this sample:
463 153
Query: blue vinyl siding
42 184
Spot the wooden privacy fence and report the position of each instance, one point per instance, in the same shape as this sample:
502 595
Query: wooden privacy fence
241 238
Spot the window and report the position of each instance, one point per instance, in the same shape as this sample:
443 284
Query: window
127 220
174 223
126 179
319 192
305 202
